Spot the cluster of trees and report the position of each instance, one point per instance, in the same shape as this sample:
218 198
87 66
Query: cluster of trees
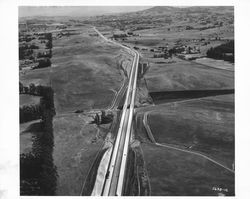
44 58
25 53
165 55
224 52
32 89
26 38
33 46
206 27
181 49
189 27
175 50
48 36
103 118
49 44
38 173
30 112
41 111
43 63
67 34
44 54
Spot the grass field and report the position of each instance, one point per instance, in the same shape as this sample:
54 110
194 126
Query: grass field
38 76
28 99
181 74
168 35
26 137
216 63
174 173
85 69
203 125
76 146
185 75
84 74
172 34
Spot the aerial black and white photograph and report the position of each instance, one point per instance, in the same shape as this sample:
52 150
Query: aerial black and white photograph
124 100
127 101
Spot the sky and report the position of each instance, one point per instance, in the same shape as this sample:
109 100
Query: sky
26 11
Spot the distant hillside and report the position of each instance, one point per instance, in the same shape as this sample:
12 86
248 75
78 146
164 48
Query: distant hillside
166 10
179 18
217 9
74 11
159 10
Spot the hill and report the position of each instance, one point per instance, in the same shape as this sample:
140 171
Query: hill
158 10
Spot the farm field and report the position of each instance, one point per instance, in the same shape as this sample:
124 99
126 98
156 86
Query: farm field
171 32
186 75
216 63
25 99
175 173
204 125
85 72
26 136
76 146
170 35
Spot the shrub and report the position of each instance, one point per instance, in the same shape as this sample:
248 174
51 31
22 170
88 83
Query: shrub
43 63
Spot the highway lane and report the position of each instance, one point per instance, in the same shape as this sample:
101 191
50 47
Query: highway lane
128 131
117 166
114 182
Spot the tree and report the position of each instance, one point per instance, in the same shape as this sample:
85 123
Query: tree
224 51
42 63
26 90
50 53
21 89
49 44
33 46
32 88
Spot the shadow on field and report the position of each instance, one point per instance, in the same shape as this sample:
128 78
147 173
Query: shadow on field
38 174
34 128
170 96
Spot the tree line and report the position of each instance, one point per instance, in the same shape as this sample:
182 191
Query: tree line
30 112
224 52
38 174
33 112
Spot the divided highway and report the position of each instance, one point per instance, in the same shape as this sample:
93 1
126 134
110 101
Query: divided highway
116 171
